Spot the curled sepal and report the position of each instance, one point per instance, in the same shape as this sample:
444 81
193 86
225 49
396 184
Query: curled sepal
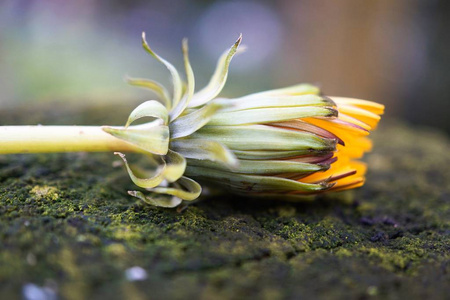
156 177
195 120
157 200
190 87
175 166
156 87
205 150
150 108
151 137
185 188
177 83
218 79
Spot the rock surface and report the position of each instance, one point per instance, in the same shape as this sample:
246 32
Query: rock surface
68 229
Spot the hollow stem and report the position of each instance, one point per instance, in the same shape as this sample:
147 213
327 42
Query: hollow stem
39 139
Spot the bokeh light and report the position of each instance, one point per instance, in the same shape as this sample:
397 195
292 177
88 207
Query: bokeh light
393 52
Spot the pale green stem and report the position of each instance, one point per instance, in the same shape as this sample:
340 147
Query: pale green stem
39 139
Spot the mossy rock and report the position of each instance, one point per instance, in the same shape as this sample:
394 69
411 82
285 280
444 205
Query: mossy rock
68 229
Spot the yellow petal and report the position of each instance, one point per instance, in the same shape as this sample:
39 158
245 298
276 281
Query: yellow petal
371 106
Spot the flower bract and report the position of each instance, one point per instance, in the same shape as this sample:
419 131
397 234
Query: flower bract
289 142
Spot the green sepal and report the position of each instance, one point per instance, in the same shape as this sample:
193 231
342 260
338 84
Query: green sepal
150 108
154 178
268 115
191 122
254 183
205 150
267 154
190 87
175 166
215 85
156 87
254 167
177 83
152 137
298 89
185 188
268 101
157 199
262 137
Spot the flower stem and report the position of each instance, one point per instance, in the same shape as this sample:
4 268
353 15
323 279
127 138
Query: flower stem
39 139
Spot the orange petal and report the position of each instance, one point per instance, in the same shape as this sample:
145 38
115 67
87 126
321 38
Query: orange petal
340 167
333 126
356 183
371 106
360 114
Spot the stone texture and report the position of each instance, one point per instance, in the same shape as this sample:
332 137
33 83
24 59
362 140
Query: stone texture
68 228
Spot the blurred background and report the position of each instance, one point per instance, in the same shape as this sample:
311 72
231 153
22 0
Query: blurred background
393 52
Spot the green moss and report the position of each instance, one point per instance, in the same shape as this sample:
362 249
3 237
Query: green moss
66 220
45 192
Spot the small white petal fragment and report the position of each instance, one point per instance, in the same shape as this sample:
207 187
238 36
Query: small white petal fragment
136 274
31 291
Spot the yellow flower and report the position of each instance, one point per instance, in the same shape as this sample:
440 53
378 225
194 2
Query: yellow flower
356 118
285 142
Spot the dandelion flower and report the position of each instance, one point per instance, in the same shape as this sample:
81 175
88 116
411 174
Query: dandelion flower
286 142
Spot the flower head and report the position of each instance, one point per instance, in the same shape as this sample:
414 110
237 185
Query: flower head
291 141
